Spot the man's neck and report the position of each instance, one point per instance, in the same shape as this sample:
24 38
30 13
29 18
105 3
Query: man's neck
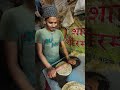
50 30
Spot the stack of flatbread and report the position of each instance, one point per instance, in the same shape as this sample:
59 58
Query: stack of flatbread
64 68
73 86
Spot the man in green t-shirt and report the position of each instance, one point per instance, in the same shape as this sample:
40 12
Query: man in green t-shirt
48 41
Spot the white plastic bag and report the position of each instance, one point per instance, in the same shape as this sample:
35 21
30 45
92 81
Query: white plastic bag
68 20
60 5
80 7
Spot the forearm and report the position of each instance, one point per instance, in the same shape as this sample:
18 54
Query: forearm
44 60
66 53
65 50
14 69
51 70
20 78
41 55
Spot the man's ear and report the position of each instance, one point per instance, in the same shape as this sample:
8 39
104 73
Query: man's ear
44 22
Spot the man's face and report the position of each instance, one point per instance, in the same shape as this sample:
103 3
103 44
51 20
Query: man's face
52 23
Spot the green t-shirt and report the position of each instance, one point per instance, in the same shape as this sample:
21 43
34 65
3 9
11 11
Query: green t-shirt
17 24
50 42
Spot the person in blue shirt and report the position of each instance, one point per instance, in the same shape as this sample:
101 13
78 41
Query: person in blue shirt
38 8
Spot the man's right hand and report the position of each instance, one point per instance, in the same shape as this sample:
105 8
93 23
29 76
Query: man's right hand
51 72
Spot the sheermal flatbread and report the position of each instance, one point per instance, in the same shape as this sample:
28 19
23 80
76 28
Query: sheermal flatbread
66 68
73 86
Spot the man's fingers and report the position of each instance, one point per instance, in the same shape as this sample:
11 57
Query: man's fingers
54 74
73 62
